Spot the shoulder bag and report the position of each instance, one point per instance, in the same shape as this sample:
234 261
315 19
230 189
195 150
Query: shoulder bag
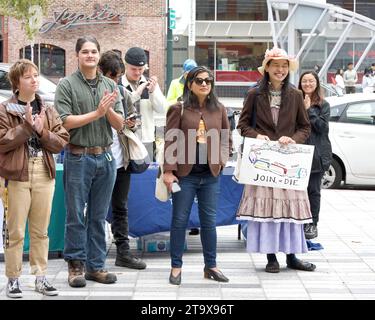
161 190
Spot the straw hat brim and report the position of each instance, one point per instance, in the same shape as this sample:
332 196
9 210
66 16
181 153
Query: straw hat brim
293 64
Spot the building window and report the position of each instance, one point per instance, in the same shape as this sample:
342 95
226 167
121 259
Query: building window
50 59
242 10
239 62
232 10
363 7
205 54
232 61
205 10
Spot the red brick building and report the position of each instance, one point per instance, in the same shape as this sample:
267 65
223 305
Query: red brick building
115 24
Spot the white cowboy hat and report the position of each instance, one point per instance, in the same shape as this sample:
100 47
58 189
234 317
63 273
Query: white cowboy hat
278 54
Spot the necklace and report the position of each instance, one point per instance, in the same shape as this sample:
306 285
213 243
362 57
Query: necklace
93 83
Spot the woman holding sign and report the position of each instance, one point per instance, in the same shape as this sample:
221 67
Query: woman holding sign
276 216
319 111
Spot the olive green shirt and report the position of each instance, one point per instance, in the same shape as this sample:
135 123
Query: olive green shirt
75 97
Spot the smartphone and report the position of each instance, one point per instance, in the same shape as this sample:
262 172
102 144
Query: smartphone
133 116
175 187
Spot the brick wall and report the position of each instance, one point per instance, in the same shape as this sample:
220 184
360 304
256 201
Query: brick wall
143 26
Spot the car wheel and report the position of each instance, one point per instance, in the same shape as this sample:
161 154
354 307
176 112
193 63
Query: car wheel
333 176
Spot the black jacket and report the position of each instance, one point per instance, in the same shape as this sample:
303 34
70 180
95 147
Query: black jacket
319 120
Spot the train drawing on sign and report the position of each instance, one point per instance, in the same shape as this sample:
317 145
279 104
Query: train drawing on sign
282 170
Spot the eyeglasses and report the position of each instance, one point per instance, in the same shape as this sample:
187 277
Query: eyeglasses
199 81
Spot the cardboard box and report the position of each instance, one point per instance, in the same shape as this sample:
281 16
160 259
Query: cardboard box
157 242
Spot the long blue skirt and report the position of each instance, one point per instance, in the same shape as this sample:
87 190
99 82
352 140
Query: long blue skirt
271 237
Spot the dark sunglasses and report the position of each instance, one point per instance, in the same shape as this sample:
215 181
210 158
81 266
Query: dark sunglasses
199 81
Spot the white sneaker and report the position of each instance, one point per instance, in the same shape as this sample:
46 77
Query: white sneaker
13 289
44 287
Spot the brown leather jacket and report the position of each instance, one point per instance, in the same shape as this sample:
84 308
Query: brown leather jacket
188 122
14 134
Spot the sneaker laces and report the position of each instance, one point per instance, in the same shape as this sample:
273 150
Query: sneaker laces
14 284
44 283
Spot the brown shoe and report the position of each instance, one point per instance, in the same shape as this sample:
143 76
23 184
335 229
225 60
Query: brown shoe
102 276
76 278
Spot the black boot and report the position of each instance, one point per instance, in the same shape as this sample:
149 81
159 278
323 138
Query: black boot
272 265
125 259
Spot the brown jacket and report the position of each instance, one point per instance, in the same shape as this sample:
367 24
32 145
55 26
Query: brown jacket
185 149
14 134
293 119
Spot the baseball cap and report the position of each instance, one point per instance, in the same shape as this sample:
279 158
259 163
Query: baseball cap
189 64
136 56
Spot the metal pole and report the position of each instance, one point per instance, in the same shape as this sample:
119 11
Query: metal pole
169 50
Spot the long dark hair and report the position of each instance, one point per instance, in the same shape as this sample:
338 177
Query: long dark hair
264 83
190 99
81 41
317 95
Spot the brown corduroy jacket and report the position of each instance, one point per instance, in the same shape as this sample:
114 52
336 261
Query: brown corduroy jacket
181 138
293 119
14 134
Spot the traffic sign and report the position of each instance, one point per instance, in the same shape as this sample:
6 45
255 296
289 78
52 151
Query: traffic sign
172 19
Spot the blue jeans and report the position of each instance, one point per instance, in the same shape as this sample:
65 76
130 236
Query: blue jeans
207 189
88 180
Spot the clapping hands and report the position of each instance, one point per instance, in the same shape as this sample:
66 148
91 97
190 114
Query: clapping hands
36 121
107 101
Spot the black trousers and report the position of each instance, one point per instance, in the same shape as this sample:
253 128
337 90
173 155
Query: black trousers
349 90
313 191
120 222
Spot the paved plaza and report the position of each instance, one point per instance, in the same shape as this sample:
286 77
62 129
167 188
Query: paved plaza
345 268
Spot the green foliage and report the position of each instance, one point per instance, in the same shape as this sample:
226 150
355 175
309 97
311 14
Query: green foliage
19 9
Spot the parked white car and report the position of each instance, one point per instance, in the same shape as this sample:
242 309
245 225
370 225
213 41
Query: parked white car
352 134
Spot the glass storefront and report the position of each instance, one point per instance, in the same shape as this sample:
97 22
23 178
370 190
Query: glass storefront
232 61
350 52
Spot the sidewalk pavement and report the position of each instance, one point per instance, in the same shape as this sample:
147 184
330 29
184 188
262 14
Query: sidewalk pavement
345 268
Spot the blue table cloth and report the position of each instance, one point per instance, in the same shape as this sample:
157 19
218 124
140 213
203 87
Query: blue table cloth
148 215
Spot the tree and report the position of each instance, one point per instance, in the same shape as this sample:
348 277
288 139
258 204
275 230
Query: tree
28 12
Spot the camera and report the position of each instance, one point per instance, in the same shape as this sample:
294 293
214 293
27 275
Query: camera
175 187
